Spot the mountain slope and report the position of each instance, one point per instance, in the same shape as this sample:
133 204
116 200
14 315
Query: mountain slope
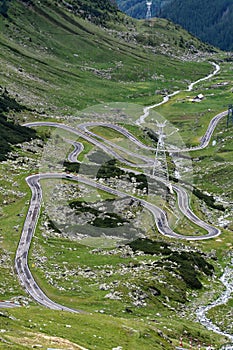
55 62
212 24
11 133
53 58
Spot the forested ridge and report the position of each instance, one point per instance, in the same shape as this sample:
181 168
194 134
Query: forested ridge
211 22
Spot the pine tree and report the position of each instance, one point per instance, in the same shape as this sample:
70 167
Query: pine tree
4 8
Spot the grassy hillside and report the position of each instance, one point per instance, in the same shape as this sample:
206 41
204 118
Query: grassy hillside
57 61
99 12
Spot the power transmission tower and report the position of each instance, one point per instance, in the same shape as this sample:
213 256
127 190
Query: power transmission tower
230 115
148 13
160 168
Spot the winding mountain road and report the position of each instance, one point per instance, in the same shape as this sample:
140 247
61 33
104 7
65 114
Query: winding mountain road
109 150
33 181
21 259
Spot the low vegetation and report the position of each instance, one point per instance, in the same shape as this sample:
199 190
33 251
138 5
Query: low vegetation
188 263
11 132
142 294
208 199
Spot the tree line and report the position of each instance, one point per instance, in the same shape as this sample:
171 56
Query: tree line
210 22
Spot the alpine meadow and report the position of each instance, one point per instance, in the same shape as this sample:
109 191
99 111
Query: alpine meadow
116 193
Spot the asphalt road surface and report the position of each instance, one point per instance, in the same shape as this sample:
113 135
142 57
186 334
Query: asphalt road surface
21 259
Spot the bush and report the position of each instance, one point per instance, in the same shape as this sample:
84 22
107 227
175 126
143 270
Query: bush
4 8
209 200
150 247
11 133
109 169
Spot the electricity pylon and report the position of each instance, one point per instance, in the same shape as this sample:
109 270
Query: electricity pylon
160 168
230 115
148 13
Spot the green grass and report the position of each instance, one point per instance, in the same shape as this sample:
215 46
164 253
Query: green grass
185 115
12 216
90 298
83 292
120 140
63 66
70 80
216 159
86 294
131 334
221 315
